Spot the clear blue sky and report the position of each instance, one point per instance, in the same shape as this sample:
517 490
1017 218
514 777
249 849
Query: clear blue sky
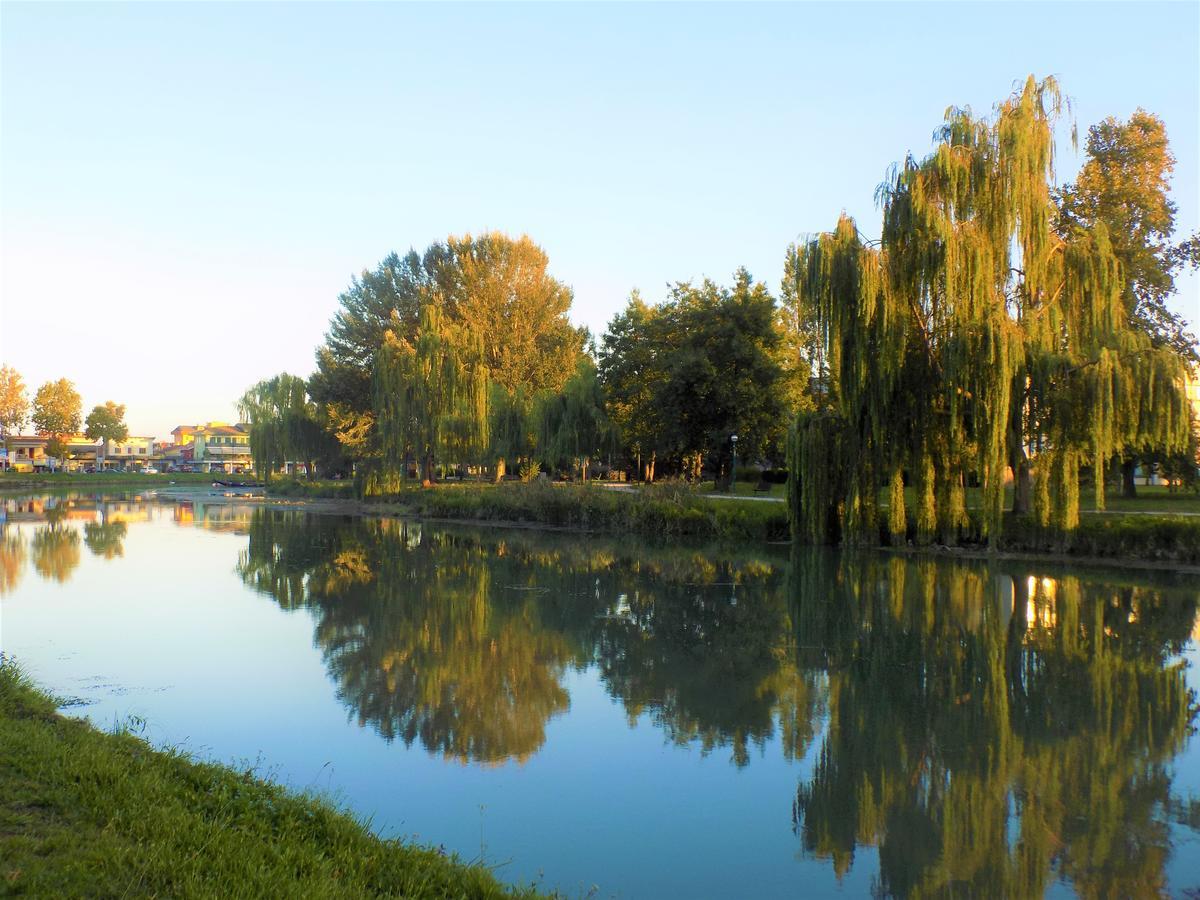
185 189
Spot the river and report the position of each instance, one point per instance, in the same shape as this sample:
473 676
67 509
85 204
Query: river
625 719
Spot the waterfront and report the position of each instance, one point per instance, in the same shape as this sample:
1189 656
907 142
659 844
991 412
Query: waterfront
647 719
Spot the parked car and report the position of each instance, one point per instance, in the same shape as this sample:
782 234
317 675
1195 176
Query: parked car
149 470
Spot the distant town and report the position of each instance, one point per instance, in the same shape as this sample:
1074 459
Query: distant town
217 447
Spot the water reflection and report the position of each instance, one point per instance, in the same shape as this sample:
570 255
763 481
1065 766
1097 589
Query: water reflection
986 728
990 733
50 529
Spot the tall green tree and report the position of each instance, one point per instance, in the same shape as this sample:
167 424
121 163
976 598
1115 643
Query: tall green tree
272 408
57 408
14 401
494 291
573 426
107 423
431 395
1125 185
682 378
629 370
973 330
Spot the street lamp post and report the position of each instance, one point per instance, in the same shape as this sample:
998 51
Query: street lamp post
733 467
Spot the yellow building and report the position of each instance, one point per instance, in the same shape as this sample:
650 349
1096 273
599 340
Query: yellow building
218 447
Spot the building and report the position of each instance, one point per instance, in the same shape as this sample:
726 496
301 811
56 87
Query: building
135 452
27 453
219 447
212 447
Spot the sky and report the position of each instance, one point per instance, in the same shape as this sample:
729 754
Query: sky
185 189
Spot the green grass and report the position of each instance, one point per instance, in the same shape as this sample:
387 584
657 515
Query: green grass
291 487
1154 499
744 489
1163 538
663 510
89 813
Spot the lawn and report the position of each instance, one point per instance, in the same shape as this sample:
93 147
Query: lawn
97 814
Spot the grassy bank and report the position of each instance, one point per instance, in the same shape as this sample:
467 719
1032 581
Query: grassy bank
676 510
1156 538
88 813
666 510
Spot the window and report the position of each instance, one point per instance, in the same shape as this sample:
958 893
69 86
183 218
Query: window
142 450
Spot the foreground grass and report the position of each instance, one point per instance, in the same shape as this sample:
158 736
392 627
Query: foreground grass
87 813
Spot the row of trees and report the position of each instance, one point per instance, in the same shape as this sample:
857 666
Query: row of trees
56 410
465 356
998 325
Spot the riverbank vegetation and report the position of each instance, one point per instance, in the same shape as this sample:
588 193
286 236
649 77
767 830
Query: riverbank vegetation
89 813
1002 330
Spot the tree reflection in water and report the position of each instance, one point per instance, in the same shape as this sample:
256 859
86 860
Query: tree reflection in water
105 539
987 731
12 559
991 732
55 546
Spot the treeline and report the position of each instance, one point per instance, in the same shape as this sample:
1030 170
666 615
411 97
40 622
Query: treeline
463 359
56 410
1002 328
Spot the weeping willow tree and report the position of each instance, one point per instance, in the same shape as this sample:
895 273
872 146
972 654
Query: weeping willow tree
431 395
981 335
572 426
511 429
272 407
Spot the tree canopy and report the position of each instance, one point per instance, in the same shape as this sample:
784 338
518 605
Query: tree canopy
107 423
14 400
979 327
284 425
492 292
683 377
1124 184
57 408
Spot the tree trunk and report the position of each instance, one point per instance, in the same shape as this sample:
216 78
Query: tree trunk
1022 484
1128 486
427 471
499 476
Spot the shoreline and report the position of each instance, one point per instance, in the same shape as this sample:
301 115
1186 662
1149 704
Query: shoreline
392 509
91 812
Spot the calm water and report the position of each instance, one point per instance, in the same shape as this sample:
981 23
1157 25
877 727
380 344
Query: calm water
639 721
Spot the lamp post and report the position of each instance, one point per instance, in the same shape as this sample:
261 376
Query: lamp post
733 467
